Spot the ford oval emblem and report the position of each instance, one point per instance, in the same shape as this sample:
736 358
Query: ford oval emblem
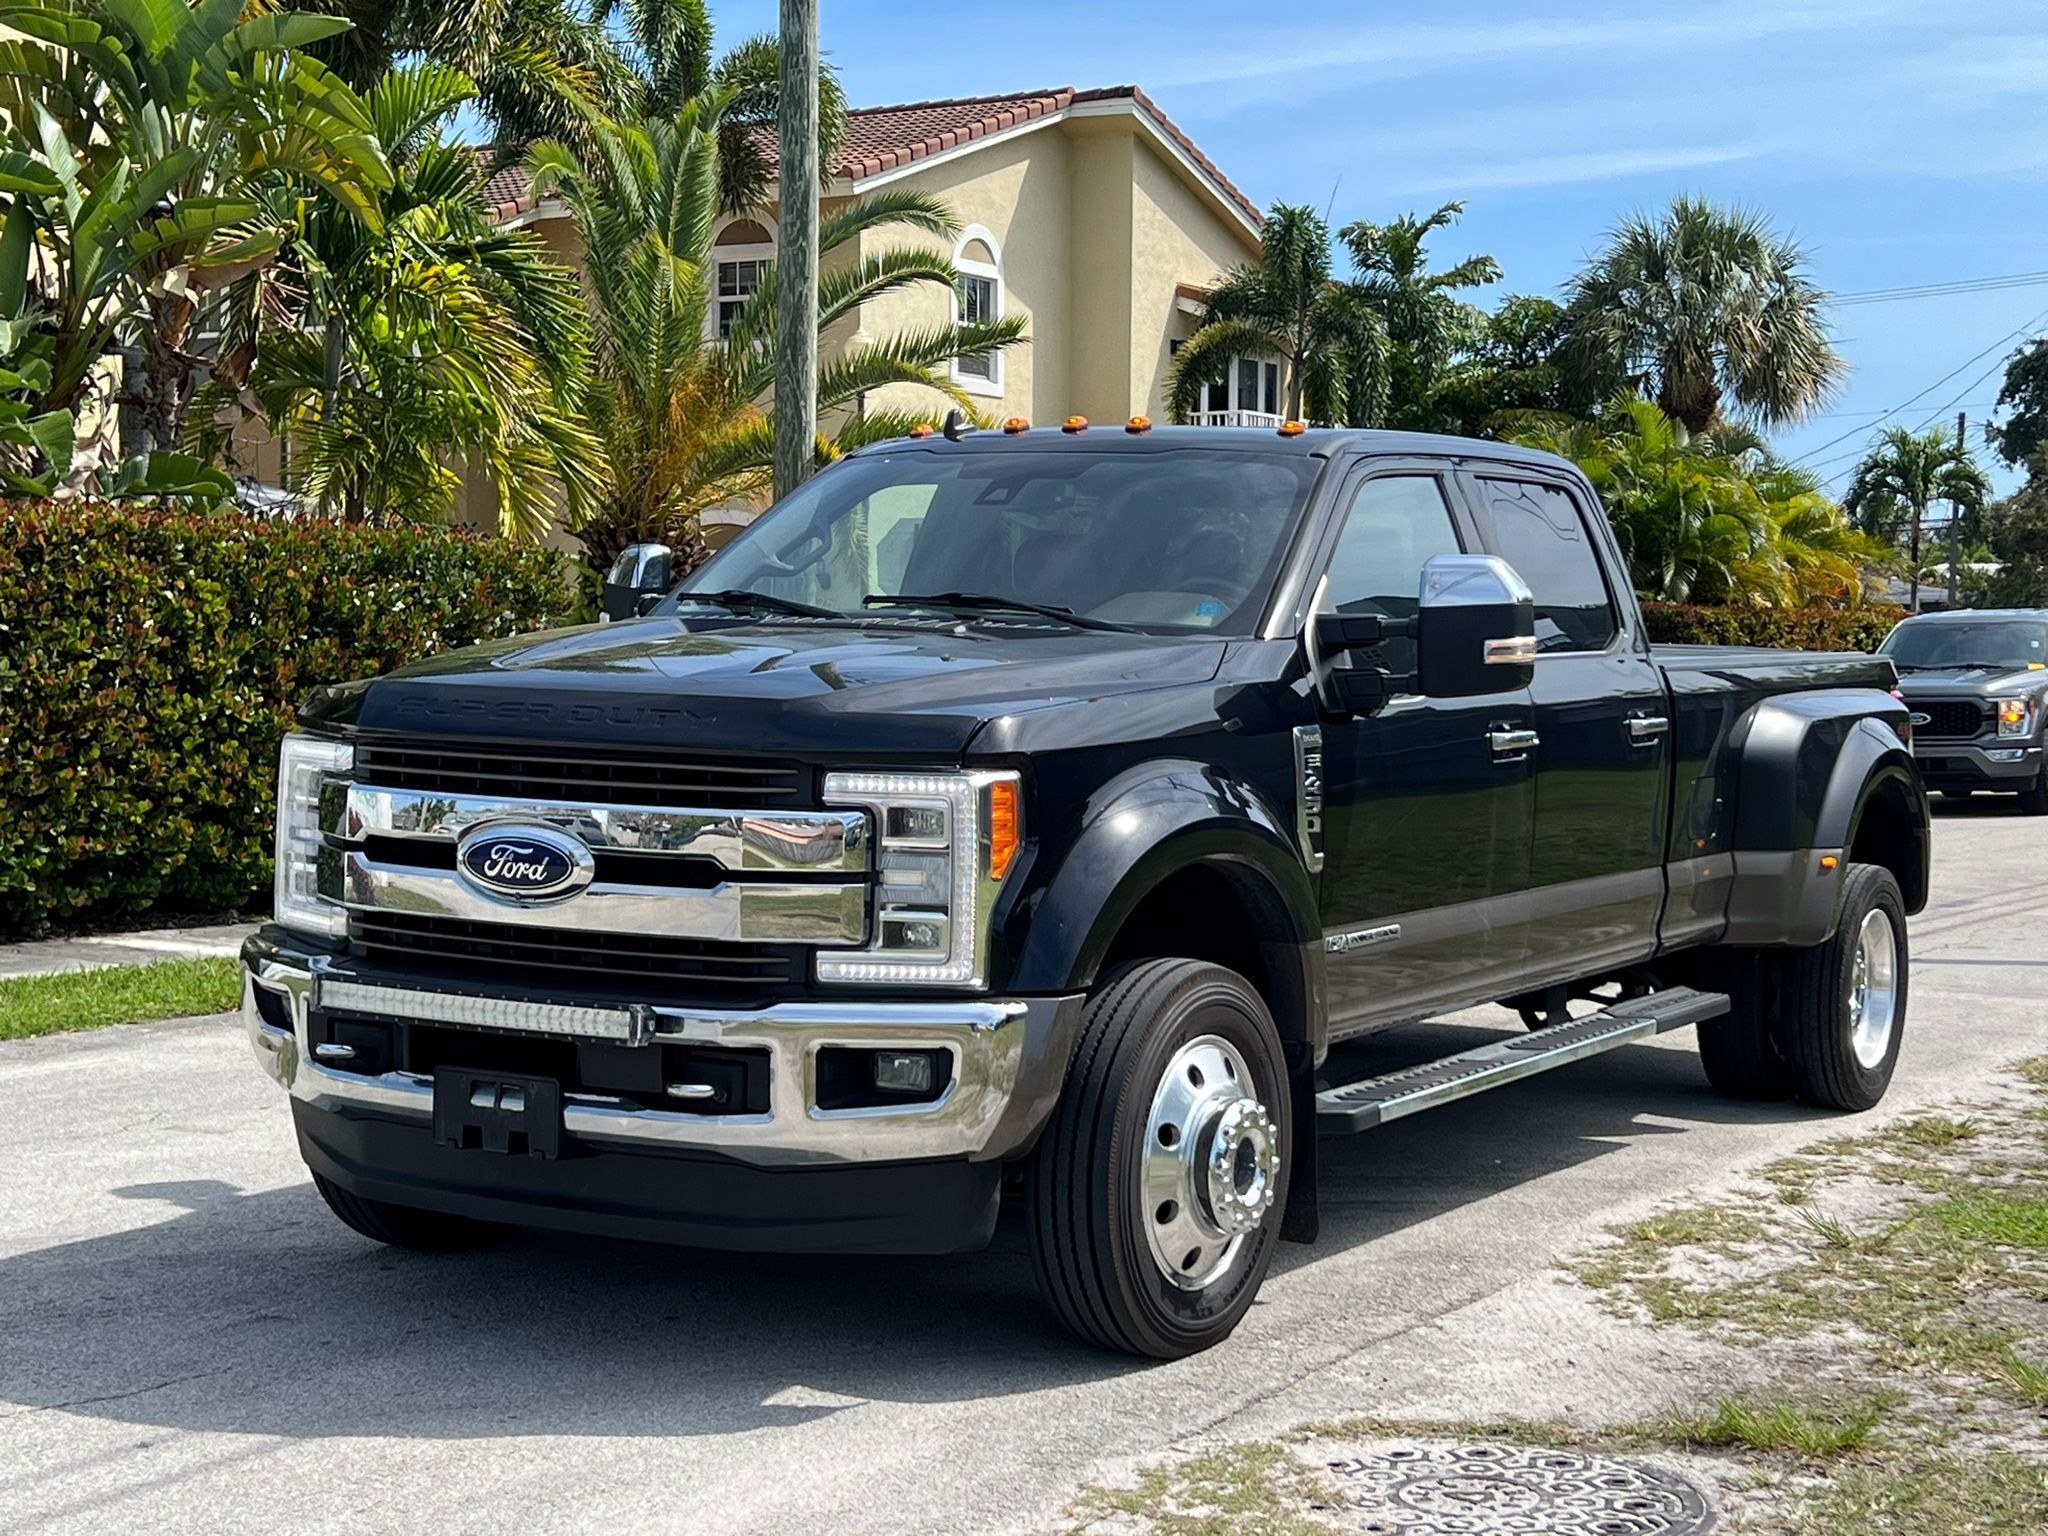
522 861
1917 718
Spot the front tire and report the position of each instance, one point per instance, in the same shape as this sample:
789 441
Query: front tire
2034 798
405 1226
1156 1188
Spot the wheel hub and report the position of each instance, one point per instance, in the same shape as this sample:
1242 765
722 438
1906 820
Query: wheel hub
1873 989
1210 1163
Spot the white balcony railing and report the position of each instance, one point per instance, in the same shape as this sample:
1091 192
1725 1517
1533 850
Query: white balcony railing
1236 419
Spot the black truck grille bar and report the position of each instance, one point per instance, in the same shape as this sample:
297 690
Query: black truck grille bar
563 773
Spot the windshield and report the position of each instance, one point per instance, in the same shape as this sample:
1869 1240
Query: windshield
1160 541
2012 643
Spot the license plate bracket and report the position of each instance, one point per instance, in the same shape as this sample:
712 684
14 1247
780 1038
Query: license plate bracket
483 1111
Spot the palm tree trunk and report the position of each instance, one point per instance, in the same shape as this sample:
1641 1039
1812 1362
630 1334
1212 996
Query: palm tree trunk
796 250
1913 602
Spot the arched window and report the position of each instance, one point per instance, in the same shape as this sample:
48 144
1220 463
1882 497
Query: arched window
978 300
742 250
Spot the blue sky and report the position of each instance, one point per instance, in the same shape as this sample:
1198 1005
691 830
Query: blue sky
1902 141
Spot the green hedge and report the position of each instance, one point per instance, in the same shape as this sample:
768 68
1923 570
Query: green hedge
1799 629
150 660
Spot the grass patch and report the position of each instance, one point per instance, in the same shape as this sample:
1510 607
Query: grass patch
1258 1489
1996 1494
1775 1426
118 994
2006 1221
1937 1130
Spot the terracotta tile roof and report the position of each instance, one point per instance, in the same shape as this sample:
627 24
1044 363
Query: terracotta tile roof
882 139
507 192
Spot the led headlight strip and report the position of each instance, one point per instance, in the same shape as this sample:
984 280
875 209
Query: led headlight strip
302 763
943 842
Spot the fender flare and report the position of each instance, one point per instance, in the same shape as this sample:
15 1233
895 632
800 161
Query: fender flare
1148 824
1811 765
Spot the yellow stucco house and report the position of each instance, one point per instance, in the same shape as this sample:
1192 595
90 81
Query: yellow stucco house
1088 211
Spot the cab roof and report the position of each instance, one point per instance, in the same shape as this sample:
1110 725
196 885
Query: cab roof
1318 442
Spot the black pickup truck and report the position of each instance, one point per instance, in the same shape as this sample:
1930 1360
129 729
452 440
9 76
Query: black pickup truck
1024 816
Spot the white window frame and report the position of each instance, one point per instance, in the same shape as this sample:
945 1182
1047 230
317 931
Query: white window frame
720 254
992 386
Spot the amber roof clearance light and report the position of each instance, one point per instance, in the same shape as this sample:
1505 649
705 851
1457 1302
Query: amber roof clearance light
1015 426
1075 424
922 429
1291 429
1138 424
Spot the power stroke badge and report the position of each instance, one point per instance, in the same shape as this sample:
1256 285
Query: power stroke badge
523 862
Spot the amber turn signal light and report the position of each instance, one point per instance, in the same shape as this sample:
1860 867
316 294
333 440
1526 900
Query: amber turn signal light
1005 827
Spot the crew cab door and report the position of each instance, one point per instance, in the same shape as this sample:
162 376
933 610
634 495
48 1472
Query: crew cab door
1603 723
1428 804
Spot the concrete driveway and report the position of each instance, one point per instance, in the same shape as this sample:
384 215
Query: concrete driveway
188 1341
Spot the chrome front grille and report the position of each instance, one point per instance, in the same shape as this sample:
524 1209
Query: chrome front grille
672 890
566 773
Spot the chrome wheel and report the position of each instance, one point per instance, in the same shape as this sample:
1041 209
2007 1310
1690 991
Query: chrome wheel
1873 990
1211 1154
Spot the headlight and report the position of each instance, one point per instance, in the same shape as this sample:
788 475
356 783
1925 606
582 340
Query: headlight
943 843
2015 717
303 765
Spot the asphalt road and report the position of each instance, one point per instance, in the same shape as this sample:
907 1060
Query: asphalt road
189 1342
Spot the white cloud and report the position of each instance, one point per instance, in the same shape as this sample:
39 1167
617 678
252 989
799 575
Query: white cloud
1562 169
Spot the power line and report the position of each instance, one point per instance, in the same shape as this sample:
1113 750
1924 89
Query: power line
1807 458
1937 290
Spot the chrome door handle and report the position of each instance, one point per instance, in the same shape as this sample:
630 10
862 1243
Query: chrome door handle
1643 730
1511 746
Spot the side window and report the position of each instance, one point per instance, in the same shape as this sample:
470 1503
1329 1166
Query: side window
1396 522
1542 534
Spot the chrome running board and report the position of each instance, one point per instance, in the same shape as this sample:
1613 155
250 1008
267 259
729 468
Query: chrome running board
1374 1101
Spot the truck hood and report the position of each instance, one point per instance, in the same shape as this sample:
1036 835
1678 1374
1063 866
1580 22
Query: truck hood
818 689
1972 682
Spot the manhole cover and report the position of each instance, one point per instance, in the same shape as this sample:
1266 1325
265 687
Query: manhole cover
1496 1490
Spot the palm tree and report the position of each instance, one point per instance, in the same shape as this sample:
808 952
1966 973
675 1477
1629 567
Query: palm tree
1903 475
1286 305
1703 306
140 142
682 412
1710 519
1426 324
385 351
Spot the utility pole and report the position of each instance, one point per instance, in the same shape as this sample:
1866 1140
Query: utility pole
1955 508
796 248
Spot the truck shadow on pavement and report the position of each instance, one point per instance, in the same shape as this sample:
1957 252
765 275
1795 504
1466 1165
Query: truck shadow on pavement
260 1314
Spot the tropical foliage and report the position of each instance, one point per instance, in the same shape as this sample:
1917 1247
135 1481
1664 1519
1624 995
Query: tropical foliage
1708 311
133 137
1901 478
1286 305
680 411
1419 313
1711 519
387 351
2023 433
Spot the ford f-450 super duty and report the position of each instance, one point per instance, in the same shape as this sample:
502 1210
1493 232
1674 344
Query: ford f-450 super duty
1024 816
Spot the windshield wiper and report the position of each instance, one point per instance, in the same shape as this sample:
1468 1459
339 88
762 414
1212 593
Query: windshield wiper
986 602
739 600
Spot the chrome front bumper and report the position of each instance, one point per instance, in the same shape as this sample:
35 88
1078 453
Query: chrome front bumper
1009 1061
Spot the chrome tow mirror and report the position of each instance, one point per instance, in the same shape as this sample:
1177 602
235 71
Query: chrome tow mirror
1475 630
637 581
